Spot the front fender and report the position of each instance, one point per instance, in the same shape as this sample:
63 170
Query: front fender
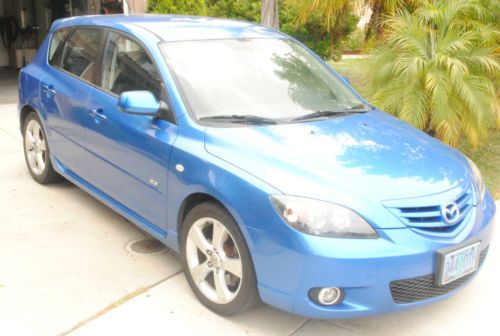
244 196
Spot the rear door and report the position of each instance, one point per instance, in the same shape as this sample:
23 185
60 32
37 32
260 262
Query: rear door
128 155
65 90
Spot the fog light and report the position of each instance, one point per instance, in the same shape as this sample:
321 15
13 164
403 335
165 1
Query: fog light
327 296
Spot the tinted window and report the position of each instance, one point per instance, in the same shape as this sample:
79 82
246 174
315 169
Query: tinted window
127 67
80 52
55 42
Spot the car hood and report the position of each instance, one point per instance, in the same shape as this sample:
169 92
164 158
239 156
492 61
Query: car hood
351 160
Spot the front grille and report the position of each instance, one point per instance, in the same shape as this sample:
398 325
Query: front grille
424 215
422 288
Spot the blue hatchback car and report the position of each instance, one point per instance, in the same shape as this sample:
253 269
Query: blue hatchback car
239 148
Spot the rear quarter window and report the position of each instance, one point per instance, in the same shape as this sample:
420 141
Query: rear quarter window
55 43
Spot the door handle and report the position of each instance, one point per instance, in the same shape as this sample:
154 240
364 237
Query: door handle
49 89
97 114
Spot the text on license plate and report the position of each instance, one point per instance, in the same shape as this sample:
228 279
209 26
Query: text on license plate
458 263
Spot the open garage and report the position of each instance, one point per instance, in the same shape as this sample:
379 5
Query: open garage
25 23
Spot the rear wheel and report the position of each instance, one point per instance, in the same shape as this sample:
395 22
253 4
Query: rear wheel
216 260
36 151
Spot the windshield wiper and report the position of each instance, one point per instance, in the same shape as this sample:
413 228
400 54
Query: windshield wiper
334 113
239 118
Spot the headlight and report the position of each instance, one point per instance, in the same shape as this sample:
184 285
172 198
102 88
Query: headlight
321 218
478 180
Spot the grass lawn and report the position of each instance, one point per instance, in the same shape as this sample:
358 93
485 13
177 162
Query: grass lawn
487 158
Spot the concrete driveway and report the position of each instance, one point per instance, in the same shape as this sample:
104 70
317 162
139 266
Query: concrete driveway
64 270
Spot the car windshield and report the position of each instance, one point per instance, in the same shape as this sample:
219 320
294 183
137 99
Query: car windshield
275 79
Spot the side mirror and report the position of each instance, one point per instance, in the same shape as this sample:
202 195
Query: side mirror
346 81
138 102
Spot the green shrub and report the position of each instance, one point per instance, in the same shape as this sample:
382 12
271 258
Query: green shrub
188 7
248 10
314 32
355 41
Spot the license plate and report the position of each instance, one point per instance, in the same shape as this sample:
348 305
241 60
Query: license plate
457 261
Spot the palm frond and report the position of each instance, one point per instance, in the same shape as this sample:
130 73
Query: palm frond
328 8
438 68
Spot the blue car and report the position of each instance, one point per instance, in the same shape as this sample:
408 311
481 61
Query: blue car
240 149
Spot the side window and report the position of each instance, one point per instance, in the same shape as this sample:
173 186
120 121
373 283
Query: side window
127 67
55 43
79 55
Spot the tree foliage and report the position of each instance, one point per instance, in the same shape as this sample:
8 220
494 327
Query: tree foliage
312 33
437 68
335 17
382 8
248 10
188 7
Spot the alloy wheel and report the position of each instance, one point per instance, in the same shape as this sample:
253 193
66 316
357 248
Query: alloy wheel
213 260
35 147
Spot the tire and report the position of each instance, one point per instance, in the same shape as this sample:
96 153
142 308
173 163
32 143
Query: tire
37 152
208 270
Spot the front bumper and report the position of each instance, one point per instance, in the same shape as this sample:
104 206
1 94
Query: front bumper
288 267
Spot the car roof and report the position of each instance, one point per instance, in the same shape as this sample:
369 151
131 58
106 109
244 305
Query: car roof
174 27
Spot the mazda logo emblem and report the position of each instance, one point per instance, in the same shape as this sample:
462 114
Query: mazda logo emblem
450 212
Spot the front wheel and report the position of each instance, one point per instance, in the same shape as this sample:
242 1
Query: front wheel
216 260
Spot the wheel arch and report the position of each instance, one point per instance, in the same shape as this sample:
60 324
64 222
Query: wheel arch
193 200
23 113
198 197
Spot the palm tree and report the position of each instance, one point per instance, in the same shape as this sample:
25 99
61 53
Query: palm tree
381 8
438 69
332 12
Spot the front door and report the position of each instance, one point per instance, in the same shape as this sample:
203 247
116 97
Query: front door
128 155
